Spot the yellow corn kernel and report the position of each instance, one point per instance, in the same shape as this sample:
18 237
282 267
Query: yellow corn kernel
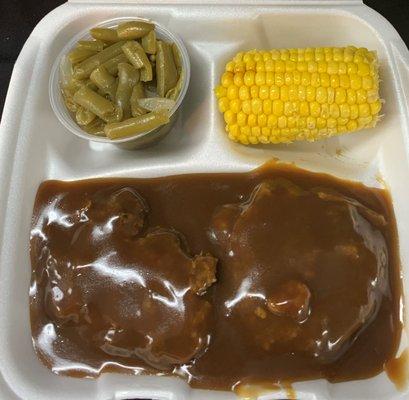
363 69
315 109
321 123
260 67
249 78
331 123
344 110
310 93
321 95
302 66
341 121
262 120
260 78
275 54
238 79
284 54
269 65
330 95
243 139
364 122
230 66
311 123
282 122
324 110
252 120
334 81
351 68
315 79
241 118
351 96
233 130
235 105
304 109
245 130
319 54
227 79
367 82
364 110
267 106
256 131
354 111
361 96
301 123
293 93
372 95
352 125
220 91
288 78
280 66
274 92
247 57
312 67
290 66
291 122
265 131
279 79
254 90
258 56
376 107
272 121
288 108
333 67
338 54
278 107
269 78
284 93
297 77
223 104
305 78
257 106
324 79
232 92
342 68
239 67
253 139
246 106
334 110
348 55
344 81
244 93
250 65
264 92
340 95
322 67
230 117
356 81
302 93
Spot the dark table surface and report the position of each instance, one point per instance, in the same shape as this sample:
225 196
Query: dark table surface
18 18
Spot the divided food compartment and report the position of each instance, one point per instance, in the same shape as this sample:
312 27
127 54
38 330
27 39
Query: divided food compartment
35 147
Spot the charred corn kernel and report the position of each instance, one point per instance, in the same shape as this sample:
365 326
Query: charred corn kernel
235 105
232 92
244 93
299 94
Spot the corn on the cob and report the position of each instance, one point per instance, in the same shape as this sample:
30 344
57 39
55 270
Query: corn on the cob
280 96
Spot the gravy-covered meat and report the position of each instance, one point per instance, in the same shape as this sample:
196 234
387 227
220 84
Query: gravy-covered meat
288 282
253 279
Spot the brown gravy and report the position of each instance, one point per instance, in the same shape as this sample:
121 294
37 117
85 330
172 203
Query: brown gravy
276 275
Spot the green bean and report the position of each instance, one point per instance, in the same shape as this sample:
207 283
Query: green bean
137 57
84 69
173 93
128 77
94 45
134 29
149 42
77 55
96 127
138 92
105 34
177 57
166 72
97 104
68 100
112 64
104 81
137 125
156 103
84 117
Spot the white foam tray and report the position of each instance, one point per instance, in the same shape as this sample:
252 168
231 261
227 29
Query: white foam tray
34 146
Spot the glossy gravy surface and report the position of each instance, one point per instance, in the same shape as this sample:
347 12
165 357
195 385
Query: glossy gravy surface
275 275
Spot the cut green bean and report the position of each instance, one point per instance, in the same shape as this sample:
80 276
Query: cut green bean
156 103
84 69
137 57
104 81
84 117
128 76
177 57
149 42
173 93
68 100
96 127
138 92
105 34
166 72
77 55
112 65
136 125
134 29
97 104
94 45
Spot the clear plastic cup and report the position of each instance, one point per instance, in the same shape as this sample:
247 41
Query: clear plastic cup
130 142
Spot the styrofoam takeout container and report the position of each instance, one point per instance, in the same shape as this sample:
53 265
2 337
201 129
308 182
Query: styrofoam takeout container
34 146
129 142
